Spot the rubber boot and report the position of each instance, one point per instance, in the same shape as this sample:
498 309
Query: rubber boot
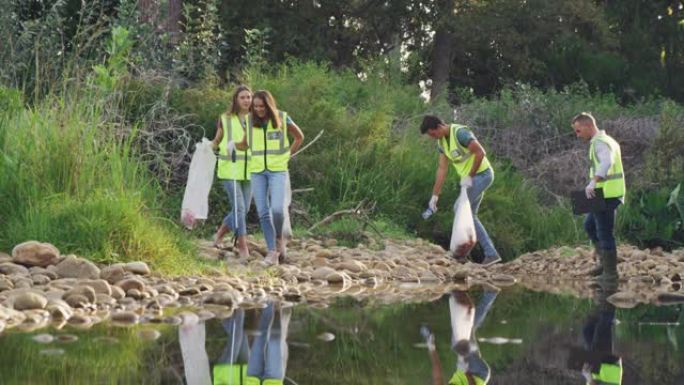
610 273
598 270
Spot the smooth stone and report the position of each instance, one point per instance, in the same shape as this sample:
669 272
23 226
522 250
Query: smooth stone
117 292
100 286
75 267
40 279
131 283
125 318
139 268
113 273
77 300
27 300
34 253
148 334
10 268
59 309
85 291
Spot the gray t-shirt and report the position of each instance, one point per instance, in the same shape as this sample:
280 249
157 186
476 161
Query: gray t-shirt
464 137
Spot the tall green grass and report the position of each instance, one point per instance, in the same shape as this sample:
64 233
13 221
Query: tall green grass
69 176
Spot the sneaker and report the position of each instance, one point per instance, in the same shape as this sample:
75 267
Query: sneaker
490 260
271 258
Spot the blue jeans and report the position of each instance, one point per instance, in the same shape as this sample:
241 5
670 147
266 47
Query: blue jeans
268 358
481 183
236 349
271 211
600 225
240 195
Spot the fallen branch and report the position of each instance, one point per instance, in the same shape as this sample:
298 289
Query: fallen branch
301 190
360 212
308 144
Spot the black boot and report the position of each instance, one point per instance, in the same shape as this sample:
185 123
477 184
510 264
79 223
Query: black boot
598 270
610 273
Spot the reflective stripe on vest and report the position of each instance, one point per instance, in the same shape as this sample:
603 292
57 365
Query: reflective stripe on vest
614 184
460 156
270 147
233 130
609 374
227 374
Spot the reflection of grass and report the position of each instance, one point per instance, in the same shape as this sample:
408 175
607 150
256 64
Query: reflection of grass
86 361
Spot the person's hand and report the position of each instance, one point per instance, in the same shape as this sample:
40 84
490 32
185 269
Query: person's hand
429 337
589 190
433 203
467 181
586 373
231 150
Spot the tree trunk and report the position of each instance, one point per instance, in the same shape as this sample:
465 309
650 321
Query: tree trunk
173 20
149 11
442 55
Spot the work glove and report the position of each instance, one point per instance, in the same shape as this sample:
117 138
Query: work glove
428 336
231 151
589 190
467 181
433 203
586 373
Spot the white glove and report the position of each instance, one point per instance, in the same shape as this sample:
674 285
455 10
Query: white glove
433 203
589 190
586 373
231 149
467 181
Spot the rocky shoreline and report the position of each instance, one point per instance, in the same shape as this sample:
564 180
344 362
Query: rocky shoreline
41 287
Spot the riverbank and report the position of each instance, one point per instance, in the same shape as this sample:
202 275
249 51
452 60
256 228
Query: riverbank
41 287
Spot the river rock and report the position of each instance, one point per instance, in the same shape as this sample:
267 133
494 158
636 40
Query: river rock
125 318
322 273
131 283
139 268
10 268
40 279
624 300
26 300
59 309
33 253
113 273
6 284
75 267
77 300
4 257
117 292
352 265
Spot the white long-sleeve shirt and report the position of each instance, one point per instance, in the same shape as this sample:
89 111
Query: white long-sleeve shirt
603 154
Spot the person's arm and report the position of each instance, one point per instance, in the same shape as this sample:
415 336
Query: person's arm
440 177
219 135
605 159
436 367
479 153
298 135
242 145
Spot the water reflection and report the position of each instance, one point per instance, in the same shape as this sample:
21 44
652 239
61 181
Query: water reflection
249 357
600 364
465 318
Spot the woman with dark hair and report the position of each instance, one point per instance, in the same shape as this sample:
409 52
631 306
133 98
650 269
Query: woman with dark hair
233 167
270 147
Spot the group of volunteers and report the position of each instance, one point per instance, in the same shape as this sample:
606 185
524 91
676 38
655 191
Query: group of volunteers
254 151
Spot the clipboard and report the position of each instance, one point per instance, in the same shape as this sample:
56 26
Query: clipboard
582 205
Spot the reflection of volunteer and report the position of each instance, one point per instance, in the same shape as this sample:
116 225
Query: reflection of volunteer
458 146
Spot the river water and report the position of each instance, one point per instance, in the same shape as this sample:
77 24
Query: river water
512 337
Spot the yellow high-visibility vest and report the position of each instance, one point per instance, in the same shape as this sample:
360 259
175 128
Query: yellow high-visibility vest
270 146
233 130
460 156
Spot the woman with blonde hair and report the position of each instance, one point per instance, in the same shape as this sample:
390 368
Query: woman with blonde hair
233 167
270 148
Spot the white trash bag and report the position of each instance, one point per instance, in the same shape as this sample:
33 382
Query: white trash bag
200 178
463 236
287 225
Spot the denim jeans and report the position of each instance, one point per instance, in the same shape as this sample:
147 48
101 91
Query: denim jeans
236 349
481 183
268 358
265 185
240 195
600 225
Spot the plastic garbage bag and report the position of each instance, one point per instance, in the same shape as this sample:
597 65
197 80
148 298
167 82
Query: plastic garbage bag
287 225
200 178
463 236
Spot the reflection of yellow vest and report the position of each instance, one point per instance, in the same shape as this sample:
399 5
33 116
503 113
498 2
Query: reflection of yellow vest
609 374
459 378
460 156
232 130
270 146
227 374
614 184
